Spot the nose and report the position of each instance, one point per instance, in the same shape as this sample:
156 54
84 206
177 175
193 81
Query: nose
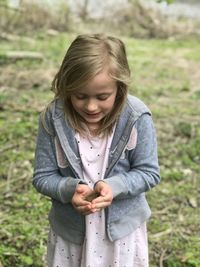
91 105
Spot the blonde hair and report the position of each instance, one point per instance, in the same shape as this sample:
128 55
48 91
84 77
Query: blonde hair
87 56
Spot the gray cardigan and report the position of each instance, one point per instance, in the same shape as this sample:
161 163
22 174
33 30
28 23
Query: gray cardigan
130 173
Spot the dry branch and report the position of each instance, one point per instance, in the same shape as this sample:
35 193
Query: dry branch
9 176
158 235
162 258
3 149
12 38
18 180
18 55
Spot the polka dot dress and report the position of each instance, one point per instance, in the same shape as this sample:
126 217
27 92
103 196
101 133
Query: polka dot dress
97 250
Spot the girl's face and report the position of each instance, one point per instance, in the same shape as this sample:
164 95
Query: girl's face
96 100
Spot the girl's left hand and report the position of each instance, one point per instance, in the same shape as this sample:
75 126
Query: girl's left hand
105 196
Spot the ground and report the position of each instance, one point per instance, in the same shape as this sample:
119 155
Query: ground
166 77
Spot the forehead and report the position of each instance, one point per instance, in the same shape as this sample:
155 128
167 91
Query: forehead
100 83
103 76
102 80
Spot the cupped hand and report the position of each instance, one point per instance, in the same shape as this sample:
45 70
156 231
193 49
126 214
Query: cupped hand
79 201
105 196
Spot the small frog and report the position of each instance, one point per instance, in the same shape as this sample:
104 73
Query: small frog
92 196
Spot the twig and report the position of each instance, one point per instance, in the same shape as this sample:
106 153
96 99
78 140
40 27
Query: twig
162 258
158 235
18 55
14 180
163 211
10 171
13 38
5 148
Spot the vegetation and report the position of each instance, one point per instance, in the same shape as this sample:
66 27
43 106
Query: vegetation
134 19
166 77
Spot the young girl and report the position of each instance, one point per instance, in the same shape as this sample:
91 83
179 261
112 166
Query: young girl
96 156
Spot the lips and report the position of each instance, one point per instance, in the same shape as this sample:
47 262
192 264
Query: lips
92 117
92 114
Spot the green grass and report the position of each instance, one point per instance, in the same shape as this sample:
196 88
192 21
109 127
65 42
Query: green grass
165 76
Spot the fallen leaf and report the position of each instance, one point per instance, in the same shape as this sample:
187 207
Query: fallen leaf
192 202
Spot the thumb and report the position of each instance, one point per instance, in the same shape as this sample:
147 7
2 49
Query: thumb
103 192
79 189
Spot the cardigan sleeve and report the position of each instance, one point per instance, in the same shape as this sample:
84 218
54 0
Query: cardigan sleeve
144 168
46 177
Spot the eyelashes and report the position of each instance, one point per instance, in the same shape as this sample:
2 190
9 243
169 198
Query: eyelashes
100 97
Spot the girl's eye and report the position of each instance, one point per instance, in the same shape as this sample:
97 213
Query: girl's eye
102 97
80 97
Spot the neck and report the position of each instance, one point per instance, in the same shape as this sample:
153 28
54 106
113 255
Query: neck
93 130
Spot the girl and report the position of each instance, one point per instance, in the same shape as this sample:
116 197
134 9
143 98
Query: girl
96 156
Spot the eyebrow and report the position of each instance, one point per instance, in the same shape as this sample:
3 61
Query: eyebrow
103 93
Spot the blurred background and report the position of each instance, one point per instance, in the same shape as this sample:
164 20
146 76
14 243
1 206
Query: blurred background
162 40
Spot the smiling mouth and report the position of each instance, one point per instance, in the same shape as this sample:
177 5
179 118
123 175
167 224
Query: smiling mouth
92 114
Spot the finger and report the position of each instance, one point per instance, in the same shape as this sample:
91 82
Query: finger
100 205
78 201
81 204
84 209
98 200
104 192
79 189
95 210
102 199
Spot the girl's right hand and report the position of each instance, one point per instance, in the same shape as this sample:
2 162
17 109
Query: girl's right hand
79 201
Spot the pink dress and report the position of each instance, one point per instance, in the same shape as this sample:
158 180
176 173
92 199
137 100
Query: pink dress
97 250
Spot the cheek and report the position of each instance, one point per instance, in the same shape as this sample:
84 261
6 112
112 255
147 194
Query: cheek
72 101
110 104
75 104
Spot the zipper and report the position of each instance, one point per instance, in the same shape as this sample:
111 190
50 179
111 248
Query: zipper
125 143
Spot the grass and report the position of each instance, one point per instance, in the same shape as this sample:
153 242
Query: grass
166 77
